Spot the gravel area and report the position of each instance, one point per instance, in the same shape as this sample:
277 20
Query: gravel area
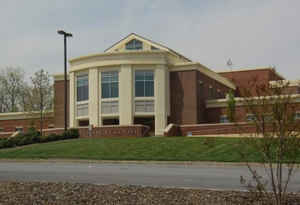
67 193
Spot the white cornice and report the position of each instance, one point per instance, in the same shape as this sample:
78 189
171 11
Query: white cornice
59 77
122 58
131 36
123 53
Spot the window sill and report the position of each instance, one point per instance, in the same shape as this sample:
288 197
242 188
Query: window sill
82 102
82 117
109 115
142 114
109 99
144 98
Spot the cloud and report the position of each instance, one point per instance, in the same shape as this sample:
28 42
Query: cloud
252 33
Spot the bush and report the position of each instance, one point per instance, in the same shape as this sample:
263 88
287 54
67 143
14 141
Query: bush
71 133
32 136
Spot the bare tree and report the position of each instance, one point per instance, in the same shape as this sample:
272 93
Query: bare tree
40 95
275 141
11 83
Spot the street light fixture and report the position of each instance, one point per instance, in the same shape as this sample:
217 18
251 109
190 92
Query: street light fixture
66 35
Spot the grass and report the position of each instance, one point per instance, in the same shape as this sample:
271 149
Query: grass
152 148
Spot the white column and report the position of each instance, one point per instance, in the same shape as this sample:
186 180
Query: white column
160 92
72 99
126 95
93 97
99 99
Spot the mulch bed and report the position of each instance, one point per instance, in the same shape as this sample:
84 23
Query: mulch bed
68 193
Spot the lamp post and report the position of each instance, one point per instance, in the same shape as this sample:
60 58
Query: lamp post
66 35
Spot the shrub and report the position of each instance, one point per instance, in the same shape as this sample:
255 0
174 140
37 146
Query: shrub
71 133
32 136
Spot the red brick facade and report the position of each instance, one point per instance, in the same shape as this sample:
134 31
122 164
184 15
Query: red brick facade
242 78
11 125
189 91
59 104
115 131
98 132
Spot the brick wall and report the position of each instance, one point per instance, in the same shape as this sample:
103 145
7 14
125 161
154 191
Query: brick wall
217 129
10 125
189 90
208 89
211 129
242 78
59 103
104 131
240 113
183 88
115 131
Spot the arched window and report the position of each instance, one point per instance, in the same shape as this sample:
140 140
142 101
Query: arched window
134 45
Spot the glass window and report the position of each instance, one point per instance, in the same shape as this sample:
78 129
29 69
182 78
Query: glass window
267 117
134 45
144 84
297 116
224 119
251 117
110 84
82 88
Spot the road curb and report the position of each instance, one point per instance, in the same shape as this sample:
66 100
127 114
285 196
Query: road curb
86 161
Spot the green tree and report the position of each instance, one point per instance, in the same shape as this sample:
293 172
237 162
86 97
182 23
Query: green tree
231 106
40 95
276 138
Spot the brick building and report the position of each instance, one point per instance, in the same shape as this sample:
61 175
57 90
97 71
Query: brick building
138 81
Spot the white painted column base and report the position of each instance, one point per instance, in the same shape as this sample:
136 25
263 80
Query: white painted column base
160 92
72 99
126 95
94 97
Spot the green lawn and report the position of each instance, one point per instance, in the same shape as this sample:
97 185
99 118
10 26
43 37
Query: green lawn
152 148
170 149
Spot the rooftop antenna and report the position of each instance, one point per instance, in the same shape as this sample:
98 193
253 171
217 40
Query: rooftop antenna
229 64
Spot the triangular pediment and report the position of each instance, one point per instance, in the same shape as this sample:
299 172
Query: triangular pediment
134 42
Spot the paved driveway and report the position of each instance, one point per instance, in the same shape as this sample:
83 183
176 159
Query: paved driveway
148 174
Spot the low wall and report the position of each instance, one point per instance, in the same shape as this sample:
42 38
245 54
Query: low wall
115 131
211 129
104 131
11 125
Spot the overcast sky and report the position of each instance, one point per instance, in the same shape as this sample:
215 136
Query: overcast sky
253 33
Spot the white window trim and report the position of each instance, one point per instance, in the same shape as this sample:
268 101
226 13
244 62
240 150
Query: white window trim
110 116
82 102
145 113
109 99
113 113
133 80
76 109
105 70
75 83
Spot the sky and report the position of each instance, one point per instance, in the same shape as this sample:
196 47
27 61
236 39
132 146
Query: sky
252 33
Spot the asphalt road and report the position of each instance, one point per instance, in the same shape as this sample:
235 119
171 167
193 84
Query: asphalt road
165 175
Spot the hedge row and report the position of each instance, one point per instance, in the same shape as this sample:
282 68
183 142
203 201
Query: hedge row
32 136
